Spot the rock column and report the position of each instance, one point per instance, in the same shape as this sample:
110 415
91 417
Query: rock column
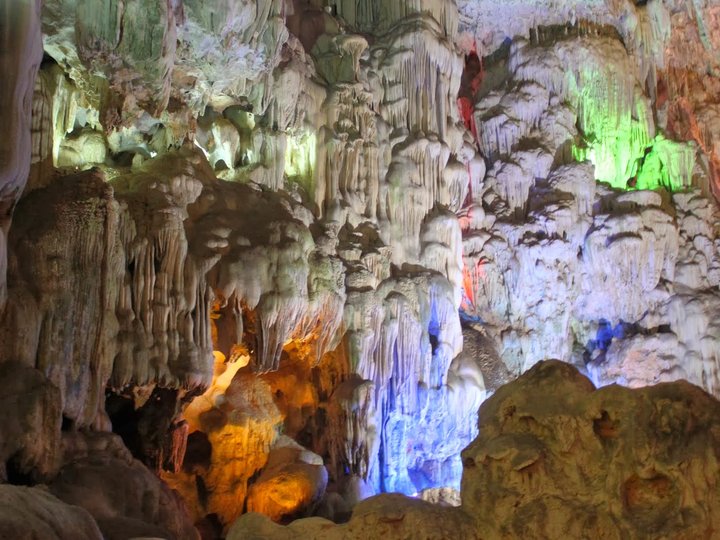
20 56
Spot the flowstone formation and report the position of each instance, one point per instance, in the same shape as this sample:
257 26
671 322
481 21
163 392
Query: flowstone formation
20 53
577 238
283 250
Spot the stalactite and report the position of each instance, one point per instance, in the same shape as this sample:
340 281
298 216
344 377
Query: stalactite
367 16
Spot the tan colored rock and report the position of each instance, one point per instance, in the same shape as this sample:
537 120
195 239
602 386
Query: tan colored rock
383 516
35 513
30 417
556 457
124 497
441 496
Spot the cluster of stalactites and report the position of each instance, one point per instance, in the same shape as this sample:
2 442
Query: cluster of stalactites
579 97
376 17
162 245
602 86
387 154
644 26
419 70
350 164
401 339
389 151
150 52
163 305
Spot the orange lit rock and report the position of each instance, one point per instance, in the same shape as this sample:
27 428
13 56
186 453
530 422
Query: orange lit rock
234 424
292 481
241 425
295 393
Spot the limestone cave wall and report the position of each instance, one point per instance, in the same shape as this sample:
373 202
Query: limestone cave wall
279 252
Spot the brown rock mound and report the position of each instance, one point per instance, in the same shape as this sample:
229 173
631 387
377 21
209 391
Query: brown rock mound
30 417
123 496
34 514
557 458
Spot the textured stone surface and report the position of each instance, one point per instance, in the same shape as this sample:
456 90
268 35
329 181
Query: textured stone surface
34 513
122 495
387 515
30 415
554 262
557 457
232 233
58 318
20 55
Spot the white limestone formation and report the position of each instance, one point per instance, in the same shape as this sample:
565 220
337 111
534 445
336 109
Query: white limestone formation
259 225
564 259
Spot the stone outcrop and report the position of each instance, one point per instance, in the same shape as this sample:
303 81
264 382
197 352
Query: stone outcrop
125 499
34 513
30 418
388 516
556 456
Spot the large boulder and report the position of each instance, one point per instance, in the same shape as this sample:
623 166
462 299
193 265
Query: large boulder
34 514
557 458
30 418
122 495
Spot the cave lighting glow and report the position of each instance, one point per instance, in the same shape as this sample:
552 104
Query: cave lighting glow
619 139
300 155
